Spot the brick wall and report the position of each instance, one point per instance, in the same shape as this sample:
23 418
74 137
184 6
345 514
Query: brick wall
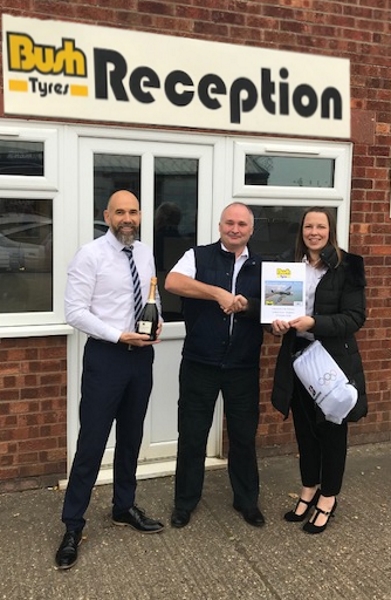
32 412
355 29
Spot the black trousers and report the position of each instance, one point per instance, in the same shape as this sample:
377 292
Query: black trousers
116 385
322 445
199 386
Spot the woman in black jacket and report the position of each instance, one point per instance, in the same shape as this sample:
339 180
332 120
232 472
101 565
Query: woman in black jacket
335 310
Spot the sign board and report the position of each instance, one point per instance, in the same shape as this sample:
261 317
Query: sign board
76 71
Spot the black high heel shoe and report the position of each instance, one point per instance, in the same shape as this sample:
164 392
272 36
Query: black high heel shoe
293 517
310 527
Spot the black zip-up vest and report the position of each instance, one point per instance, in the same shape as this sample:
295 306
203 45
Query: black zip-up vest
208 329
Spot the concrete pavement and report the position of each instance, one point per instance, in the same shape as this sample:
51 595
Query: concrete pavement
218 556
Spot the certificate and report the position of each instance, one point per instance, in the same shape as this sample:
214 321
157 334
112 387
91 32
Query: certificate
282 291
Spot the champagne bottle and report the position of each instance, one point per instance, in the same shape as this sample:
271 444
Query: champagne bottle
149 318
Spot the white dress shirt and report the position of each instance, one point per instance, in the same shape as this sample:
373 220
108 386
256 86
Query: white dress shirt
187 266
99 292
313 276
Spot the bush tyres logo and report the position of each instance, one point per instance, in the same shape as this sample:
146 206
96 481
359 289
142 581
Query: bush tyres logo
283 273
79 71
37 61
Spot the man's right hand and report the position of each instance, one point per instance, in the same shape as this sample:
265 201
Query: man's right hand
132 338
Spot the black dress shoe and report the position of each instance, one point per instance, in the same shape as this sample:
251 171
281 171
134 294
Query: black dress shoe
180 517
253 516
66 555
136 518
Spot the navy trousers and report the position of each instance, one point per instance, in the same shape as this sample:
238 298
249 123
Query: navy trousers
199 388
116 385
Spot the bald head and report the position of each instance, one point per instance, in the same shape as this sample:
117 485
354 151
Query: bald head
238 205
236 227
122 196
123 216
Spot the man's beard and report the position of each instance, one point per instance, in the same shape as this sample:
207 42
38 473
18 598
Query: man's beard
127 238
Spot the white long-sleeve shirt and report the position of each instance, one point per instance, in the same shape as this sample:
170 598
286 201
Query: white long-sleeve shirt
313 276
99 293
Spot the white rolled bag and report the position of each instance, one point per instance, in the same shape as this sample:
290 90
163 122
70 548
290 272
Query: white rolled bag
325 382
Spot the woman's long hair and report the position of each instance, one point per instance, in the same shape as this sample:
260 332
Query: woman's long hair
301 248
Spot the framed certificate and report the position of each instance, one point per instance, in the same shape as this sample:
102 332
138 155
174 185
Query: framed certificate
282 291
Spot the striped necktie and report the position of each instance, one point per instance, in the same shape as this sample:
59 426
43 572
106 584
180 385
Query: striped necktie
138 299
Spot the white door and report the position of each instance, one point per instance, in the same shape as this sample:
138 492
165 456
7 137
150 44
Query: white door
174 183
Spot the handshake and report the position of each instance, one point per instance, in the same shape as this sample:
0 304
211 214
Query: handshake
233 304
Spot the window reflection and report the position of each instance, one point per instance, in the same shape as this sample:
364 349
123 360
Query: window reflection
275 229
168 217
21 158
175 223
113 172
26 255
289 171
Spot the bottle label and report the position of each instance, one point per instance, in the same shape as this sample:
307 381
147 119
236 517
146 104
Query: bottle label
144 327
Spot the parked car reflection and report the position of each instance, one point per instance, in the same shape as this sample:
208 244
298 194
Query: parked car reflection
25 263
100 228
25 243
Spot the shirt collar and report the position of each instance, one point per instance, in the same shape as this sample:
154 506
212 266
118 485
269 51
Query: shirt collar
245 253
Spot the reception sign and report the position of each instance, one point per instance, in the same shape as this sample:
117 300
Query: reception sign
78 71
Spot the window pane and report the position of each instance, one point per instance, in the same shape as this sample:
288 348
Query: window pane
21 158
26 280
289 171
175 227
275 229
113 172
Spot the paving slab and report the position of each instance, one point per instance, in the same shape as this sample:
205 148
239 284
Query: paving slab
218 556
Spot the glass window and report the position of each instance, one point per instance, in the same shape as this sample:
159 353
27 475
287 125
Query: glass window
275 229
175 224
113 172
26 254
21 158
289 171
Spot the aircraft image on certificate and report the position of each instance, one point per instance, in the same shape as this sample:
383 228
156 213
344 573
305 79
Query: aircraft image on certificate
282 291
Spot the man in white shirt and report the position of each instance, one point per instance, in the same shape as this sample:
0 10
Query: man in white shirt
117 369
220 288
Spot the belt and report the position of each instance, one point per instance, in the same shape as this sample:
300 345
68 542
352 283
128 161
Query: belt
118 344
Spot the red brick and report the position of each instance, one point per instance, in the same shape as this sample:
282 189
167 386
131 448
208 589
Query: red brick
6 460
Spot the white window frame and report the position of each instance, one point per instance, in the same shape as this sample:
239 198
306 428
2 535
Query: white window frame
46 187
337 196
59 185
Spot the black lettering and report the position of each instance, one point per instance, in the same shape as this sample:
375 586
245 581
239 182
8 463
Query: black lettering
284 93
268 89
239 105
331 94
211 84
171 82
44 88
112 63
143 77
305 109
34 82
